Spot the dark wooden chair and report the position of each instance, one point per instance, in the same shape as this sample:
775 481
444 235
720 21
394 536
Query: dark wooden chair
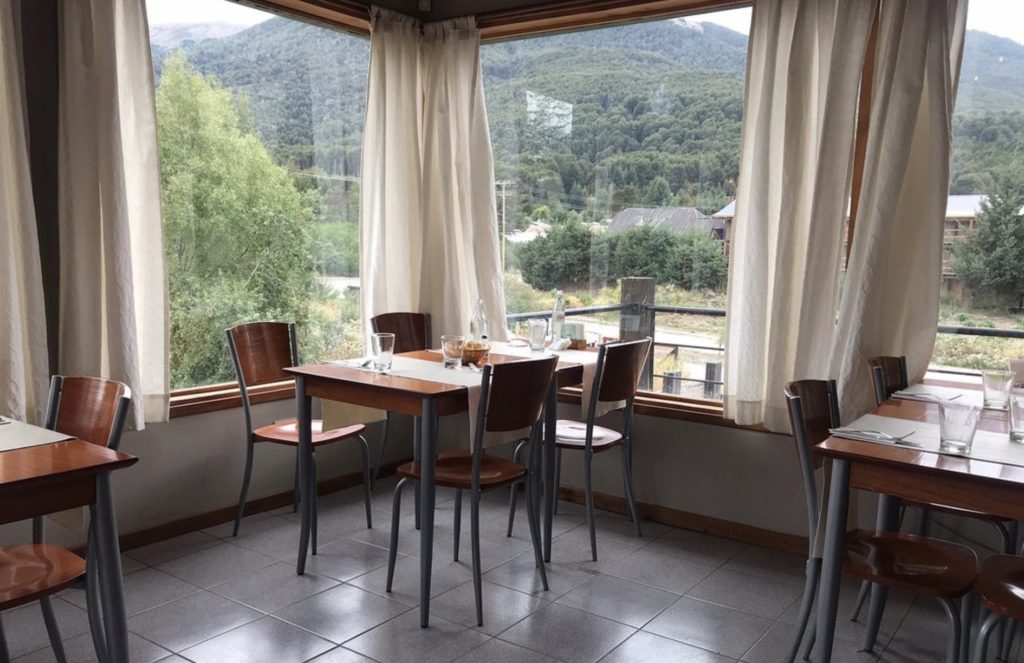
92 410
511 399
927 567
1000 589
260 352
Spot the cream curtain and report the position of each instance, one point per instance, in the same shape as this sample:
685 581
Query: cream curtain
428 216
23 352
890 301
803 74
113 295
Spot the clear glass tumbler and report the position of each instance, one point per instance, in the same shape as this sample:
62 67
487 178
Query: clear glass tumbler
996 385
538 331
383 348
957 423
451 348
1017 416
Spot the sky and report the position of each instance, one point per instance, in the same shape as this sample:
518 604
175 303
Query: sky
999 17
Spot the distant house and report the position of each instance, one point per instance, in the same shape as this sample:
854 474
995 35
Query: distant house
676 220
533 231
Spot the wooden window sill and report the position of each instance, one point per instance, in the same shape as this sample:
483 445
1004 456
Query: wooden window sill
186 402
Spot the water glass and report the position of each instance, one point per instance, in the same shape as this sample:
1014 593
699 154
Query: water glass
538 331
1017 416
451 348
997 385
383 348
957 423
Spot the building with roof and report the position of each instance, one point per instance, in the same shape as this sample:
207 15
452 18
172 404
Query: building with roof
677 220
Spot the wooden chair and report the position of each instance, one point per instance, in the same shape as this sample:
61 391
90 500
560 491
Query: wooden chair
92 410
511 401
927 567
412 333
260 352
619 366
1000 589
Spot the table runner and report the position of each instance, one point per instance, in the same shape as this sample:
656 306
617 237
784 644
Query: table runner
18 435
934 394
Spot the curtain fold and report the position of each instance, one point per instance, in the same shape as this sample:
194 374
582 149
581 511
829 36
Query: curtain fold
428 214
803 75
890 301
113 299
24 363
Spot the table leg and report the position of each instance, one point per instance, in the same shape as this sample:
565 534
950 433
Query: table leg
304 421
831 569
550 479
885 521
115 620
428 458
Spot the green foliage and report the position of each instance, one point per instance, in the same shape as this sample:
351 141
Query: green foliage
990 259
644 250
560 259
336 248
698 263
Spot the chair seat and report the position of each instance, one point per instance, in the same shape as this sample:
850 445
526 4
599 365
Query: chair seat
454 469
953 511
571 434
33 571
919 564
1000 585
287 432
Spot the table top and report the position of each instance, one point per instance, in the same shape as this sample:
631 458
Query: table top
59 460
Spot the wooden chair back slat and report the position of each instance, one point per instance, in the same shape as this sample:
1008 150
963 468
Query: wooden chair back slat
889 375
813 410
411 330
90 409
620 372
263 350
517 393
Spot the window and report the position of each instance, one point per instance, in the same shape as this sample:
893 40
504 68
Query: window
983 266
260 133
616 156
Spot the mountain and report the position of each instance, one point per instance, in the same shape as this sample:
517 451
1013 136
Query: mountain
172 35
992 74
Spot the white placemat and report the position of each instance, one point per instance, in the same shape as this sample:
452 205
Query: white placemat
18 435
994 447
934 394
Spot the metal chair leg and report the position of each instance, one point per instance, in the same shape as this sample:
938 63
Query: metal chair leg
316 499
416 430
589 490
558 476
966 619
5 656
474 519
810 640
52 630
93 600
862 597
513 491
245 487
812 571
457 524
383 444
298 494
876 608
1009 634
627 482
533 516
953 617
981 644
367 480
396 512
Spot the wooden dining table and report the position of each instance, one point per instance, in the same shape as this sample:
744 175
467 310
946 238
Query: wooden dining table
48 478
906 473
426 400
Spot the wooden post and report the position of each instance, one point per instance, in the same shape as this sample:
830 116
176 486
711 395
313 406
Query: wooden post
636 320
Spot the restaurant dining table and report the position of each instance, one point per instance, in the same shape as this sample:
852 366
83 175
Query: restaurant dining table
48 478
994 487
357 385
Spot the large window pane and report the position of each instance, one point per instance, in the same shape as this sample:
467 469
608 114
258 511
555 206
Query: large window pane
260 131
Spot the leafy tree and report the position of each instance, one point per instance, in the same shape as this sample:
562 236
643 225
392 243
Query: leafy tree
990 259
645 251
559 260
658 193
698 262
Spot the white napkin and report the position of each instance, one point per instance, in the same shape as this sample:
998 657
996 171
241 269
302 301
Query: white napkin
935 394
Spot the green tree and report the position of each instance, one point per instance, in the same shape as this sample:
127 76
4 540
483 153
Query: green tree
990 258
698 262
559 260
645 251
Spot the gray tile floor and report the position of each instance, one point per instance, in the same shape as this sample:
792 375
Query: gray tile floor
673 595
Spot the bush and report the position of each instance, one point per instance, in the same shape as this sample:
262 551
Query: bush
698 263
559 260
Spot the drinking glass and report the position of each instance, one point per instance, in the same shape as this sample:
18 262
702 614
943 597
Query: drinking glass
538 330
957 423
1017 416
451 348
383 348
996 385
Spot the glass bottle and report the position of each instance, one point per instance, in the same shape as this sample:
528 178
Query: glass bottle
557 316
478 324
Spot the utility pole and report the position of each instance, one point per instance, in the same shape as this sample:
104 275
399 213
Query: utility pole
504 184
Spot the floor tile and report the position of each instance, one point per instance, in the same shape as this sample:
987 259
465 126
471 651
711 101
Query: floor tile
80 649
568 634
280 541
347 558
179 546
499 651
621 600
774 647
741 591
212 566
521 573
779 566
643 647
708 626
896 609
696 546
341 613
341 655
250 525
267 639
26 632
130 564
406 585
143 590
188 621
573 547
502 607
401 640
922 636
274 587
668 572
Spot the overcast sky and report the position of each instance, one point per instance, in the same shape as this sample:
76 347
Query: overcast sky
1000 17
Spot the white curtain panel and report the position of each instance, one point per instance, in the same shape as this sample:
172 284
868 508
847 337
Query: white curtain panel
890 301
113 294
24 366
429 223
803 75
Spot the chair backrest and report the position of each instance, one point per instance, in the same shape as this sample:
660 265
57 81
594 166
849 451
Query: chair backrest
889 375
261 351
91 409
813 410
516 393
619 367
411 330
1017 366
